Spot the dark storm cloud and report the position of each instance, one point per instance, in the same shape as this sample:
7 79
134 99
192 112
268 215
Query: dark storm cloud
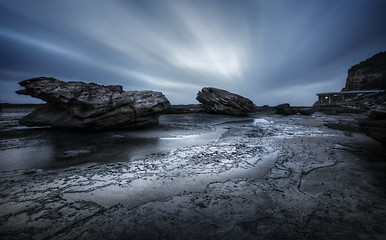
269 51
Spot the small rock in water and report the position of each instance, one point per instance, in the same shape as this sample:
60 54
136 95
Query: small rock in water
284 109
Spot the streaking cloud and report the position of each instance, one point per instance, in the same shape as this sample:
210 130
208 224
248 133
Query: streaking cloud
265 50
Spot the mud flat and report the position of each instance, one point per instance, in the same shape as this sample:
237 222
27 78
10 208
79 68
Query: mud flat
258 177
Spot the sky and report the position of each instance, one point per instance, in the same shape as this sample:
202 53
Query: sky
270 51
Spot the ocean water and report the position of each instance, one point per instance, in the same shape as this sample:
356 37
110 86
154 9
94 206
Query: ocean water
46 148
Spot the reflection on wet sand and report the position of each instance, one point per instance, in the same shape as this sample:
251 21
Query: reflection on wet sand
45 148
194 176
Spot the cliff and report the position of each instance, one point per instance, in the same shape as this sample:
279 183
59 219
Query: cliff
368 75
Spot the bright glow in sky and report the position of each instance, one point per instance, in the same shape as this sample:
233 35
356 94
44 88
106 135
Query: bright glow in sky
269 51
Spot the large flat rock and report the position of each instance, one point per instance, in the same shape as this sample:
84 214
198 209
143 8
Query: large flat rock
89 105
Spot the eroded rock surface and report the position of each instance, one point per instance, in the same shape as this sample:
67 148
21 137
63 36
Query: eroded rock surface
220 101
89 105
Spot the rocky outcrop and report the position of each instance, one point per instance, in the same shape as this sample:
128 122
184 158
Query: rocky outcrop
365 89
286 109
368 75
223 102
375 125
91 106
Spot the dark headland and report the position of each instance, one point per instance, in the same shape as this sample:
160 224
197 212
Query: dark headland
99 162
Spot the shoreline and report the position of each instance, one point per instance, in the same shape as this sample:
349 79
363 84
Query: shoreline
319 183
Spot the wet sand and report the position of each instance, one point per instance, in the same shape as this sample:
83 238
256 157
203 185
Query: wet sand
260 177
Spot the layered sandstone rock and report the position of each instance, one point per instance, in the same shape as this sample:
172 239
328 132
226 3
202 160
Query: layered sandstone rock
223 102
365 88
92 106
368 75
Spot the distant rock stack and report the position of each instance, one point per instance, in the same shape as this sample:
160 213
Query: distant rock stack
91 106
216 100
368 75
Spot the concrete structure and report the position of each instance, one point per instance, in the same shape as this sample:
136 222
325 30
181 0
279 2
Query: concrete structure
334 97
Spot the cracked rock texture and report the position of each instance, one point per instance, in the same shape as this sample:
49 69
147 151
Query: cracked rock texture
268 177
89 105
220 101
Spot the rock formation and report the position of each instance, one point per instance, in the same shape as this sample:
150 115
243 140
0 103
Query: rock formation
365 88
375 125
368 75
223 102
91 106
284 109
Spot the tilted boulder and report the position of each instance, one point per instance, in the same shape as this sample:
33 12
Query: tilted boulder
89 105
220 101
